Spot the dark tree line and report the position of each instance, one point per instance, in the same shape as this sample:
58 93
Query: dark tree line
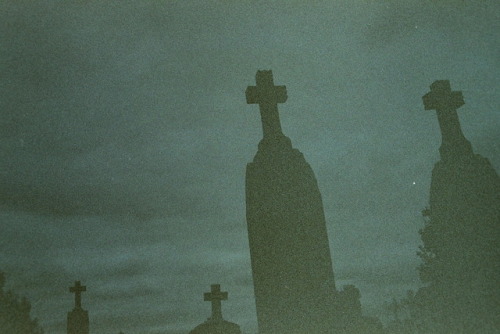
15 315
460 266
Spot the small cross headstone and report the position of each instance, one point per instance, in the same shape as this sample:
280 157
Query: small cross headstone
267 96
77 290
215 296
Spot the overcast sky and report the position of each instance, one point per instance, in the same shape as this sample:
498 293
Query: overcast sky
125 134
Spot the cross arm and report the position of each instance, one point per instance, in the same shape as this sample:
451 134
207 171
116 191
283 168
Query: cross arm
78 288
274 95
441 97
252 95
281 95
209 296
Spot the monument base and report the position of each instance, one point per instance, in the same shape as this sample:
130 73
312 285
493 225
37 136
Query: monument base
78 321
217 327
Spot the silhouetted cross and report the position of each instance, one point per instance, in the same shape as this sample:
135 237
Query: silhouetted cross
446 103
77 290
267 96
215 296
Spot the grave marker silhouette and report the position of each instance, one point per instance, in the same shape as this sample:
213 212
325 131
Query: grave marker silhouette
77 290
78 318
216 324
267 96
216 297
461 236
291 264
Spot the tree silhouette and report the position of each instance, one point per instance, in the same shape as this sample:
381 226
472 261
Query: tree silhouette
350 318
15 313
459 256
403 315
430 252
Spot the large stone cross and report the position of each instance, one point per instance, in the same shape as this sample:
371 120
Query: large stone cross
77 290
215 296
446 102
267 96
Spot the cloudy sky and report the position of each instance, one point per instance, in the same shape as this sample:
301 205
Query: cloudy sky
125 134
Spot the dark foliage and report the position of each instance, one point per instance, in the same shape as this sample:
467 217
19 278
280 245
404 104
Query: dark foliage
15 313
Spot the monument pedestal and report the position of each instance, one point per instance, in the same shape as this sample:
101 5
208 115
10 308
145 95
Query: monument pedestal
217 327
78 321
291 264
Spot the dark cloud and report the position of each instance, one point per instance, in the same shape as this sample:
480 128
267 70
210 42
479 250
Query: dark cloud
85 101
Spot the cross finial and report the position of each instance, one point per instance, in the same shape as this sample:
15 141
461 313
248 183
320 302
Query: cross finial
446 102
267 96
442 98
215 296
77 290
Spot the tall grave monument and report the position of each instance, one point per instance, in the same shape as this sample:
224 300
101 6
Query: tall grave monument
461 238
78 318
290 255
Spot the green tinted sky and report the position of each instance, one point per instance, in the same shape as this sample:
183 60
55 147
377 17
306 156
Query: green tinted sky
124 136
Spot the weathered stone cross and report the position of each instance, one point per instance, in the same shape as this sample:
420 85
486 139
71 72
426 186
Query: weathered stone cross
446 103
267 96
215 296
77 290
